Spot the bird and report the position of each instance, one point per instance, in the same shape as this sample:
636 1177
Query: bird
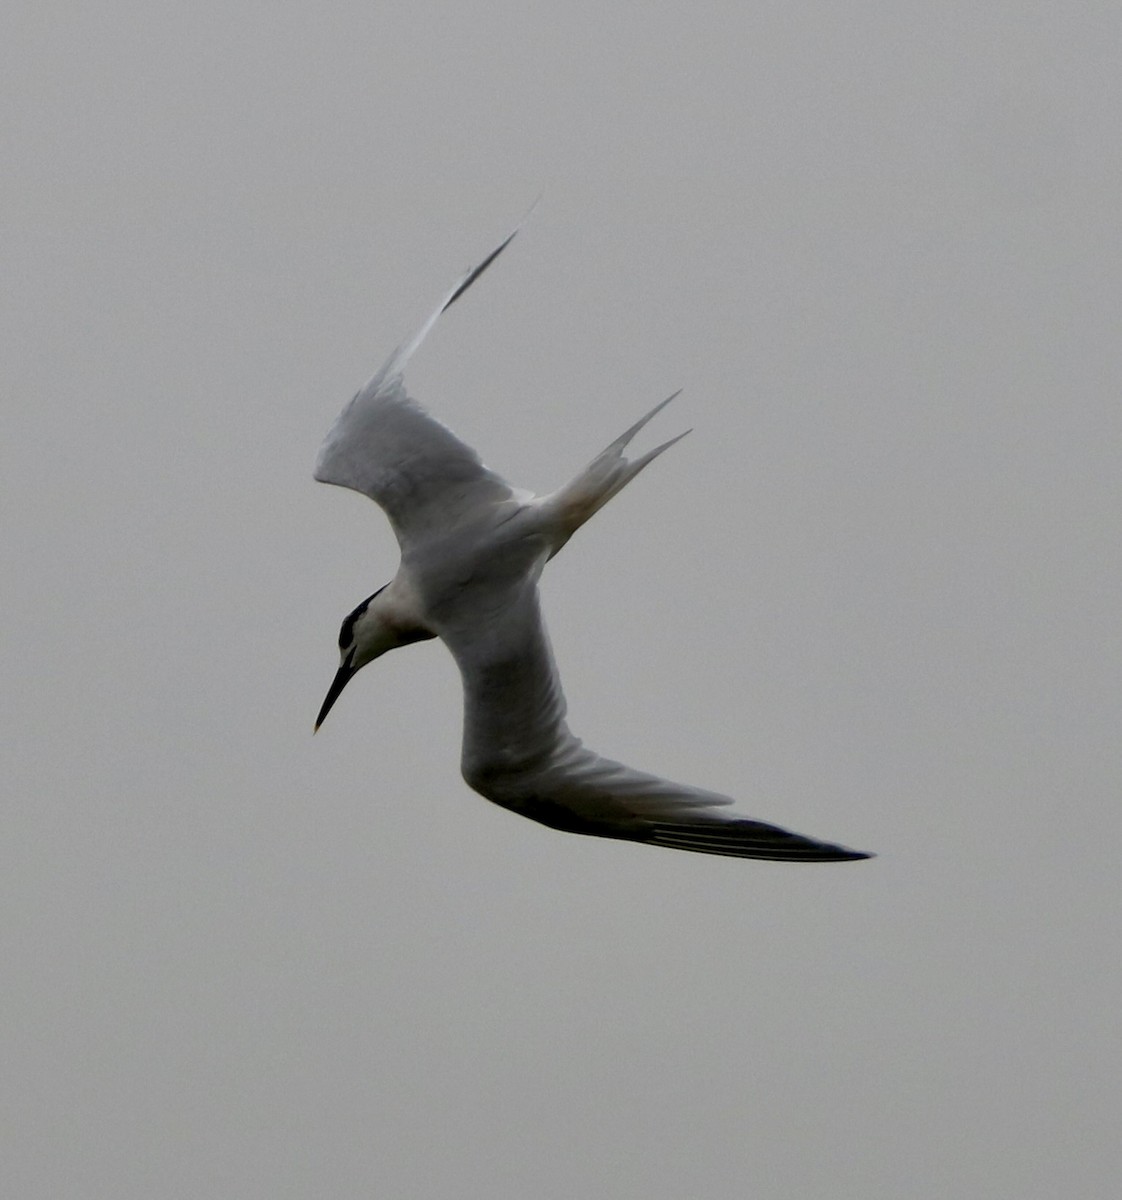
472 551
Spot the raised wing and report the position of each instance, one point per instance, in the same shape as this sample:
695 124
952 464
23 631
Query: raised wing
386 446
519 752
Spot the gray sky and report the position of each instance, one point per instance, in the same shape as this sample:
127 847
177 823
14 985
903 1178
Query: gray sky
874 595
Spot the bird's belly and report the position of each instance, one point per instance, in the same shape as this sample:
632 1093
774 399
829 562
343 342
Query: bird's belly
470 571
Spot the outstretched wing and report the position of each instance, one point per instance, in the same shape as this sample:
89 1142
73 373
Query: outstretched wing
519 752
386 446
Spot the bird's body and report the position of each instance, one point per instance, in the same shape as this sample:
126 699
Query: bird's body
472 551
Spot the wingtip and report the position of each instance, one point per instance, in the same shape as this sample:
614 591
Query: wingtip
845 854
526 215
473 273
742 838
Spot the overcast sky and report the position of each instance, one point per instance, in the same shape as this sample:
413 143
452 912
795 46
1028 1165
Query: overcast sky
875 596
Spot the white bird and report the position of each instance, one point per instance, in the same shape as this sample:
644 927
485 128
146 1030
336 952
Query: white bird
472 550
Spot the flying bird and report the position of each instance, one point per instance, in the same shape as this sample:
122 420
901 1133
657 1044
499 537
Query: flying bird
472 550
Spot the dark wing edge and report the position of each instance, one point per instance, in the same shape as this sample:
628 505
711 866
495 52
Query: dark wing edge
743 838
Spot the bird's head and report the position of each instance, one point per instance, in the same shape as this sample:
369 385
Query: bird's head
364 635
380 623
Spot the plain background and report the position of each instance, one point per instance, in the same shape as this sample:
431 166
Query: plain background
875 595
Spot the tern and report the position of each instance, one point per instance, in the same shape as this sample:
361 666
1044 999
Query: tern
472 551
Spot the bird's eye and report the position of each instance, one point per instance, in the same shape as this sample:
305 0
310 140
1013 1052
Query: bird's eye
347 632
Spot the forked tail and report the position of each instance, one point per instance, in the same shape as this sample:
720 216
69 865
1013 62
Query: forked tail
608 473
